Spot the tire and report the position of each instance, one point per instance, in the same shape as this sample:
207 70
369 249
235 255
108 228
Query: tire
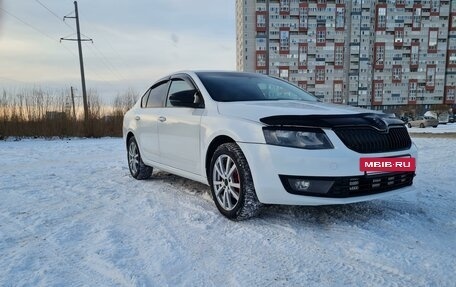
434 126
421 125
231 183
409 125
136 165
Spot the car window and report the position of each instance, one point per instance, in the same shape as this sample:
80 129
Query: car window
144 99
178 86
157 95
232 87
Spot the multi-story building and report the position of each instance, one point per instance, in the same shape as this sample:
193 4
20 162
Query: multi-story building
372 53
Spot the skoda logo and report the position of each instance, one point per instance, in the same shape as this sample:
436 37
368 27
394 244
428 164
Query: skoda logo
378 122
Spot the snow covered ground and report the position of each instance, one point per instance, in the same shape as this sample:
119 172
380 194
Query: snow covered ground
70 215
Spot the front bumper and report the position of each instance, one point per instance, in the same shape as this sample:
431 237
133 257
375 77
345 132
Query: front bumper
340 165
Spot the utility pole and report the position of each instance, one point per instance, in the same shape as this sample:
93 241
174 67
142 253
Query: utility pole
81 61
72 100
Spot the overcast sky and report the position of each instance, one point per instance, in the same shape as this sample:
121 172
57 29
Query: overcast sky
135 41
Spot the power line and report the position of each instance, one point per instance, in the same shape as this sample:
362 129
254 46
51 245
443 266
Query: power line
27 24
61 19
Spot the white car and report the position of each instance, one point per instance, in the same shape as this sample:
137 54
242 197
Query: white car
260 140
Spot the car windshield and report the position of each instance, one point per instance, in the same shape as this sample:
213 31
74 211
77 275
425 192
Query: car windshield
233 87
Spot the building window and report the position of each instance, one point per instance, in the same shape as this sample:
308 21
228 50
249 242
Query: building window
284 5
261 20
451 93
430 76
320 75
261 60
432 44
284 74
416 18
414 57
397 74
381 18
321 36
452 58
435 7
337 96
339 56
303 15
303 55
340 17
378 91
302 85
284 40
398 35
379 55
412 91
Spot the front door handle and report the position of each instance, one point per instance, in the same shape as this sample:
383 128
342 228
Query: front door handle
137 118
162 119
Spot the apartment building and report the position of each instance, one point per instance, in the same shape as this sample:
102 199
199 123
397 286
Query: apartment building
379 54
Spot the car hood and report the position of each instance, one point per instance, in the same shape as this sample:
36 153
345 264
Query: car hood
255 111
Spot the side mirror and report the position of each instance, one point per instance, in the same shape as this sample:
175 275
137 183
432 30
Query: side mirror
189 99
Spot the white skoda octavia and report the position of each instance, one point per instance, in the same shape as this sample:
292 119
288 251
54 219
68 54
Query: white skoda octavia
260 140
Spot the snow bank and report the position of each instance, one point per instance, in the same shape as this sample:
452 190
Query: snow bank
70 215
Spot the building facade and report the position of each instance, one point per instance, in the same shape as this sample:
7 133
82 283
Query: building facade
370 53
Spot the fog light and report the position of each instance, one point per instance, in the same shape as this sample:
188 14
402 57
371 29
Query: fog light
299 184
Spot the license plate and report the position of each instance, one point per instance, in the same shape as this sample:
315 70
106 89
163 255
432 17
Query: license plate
387 164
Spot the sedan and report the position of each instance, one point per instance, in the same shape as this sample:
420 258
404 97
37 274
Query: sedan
423 122
256 139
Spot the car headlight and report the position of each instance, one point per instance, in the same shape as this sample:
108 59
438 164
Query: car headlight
307 138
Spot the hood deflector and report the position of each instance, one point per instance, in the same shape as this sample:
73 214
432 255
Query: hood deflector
378 121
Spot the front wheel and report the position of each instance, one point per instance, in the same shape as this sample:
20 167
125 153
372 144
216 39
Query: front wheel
409 125
137 167
232 184
422 125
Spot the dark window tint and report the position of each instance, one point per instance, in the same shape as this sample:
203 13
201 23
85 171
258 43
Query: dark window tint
232 87
157 95
179 86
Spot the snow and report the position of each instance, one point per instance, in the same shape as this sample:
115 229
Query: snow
70 215
440 129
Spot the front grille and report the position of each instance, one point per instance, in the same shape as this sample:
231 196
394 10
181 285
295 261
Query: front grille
370 140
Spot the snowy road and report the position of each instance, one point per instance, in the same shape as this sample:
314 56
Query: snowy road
70 215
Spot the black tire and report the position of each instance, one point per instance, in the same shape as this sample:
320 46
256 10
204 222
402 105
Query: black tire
247 204
434 126
136 165
409 125
422 125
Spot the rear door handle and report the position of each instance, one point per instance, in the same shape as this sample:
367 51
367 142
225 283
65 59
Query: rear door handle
137 118
162 119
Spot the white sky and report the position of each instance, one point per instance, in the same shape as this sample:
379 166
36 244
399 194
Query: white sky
135 42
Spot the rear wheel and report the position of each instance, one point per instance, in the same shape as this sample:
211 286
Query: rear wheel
409 125
137 167
231 183
421 125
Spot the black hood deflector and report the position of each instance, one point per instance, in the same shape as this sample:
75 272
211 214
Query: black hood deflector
379 121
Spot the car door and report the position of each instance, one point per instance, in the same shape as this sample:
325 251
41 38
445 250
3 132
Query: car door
179 128
147 121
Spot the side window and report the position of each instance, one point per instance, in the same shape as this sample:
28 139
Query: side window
144 99
179 86
157 95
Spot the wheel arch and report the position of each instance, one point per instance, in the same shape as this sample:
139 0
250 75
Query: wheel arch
215 143
128 137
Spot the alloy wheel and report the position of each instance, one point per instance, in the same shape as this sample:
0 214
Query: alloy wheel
226 182
133 157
